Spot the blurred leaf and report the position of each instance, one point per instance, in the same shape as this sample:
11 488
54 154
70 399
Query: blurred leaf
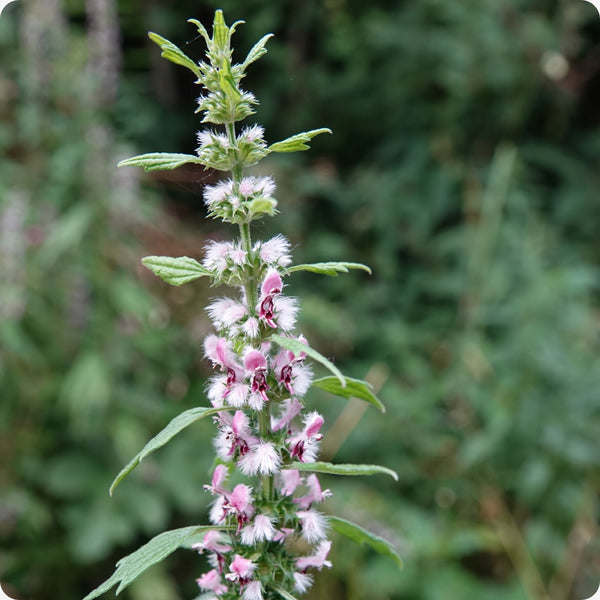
178 424
362 536
157 549
325 467
354 388
67 233
329 268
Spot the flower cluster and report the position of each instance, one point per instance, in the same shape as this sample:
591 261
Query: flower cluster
262 431
267 535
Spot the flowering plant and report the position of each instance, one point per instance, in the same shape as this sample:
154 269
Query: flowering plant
266 538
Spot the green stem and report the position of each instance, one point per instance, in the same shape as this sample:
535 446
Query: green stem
264 427
250 287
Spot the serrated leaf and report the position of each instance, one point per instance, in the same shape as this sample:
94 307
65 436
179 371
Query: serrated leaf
175 270
257 51
282 592
354 388
343 469
159 161
176 425
297 142
173 53
158 548
362 536
298 348
330 268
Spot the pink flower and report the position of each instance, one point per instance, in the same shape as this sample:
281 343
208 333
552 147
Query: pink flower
240 569
260 530
315 495
252 591
255 364
282 533
216 254
216 194
314 525
302 582
291 408
211 582
290 479
271 287
218 512
317 560
235 436
272 284
250 327
289 369
225 312
275 251
218 351
303 445
254 133
262 459
239 503
218 478
212 542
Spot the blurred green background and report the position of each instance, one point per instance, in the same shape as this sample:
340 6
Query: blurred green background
463 169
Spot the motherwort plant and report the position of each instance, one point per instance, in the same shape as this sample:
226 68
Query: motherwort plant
267 536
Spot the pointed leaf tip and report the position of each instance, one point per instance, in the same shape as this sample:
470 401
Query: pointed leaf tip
362 536
175 270
298 347
354 388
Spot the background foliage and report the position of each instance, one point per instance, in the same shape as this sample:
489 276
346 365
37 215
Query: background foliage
463 169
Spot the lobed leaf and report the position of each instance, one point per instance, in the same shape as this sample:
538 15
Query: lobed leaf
362 536
298 348
283 593
325 467
354 388
159 161
173 53
330 268
175 270
297 142
158 548
179 423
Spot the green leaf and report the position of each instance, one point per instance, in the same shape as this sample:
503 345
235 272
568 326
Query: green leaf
282 592
298 348
220 31
257 51
157 549
354 388
179 423
330 268
175 271
325 467
159 161
201 30
297 142
362 536
173 53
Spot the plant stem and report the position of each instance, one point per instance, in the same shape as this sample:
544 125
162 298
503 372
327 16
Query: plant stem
250 287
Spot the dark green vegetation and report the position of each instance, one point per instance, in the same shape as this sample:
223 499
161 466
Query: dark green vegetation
463 169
